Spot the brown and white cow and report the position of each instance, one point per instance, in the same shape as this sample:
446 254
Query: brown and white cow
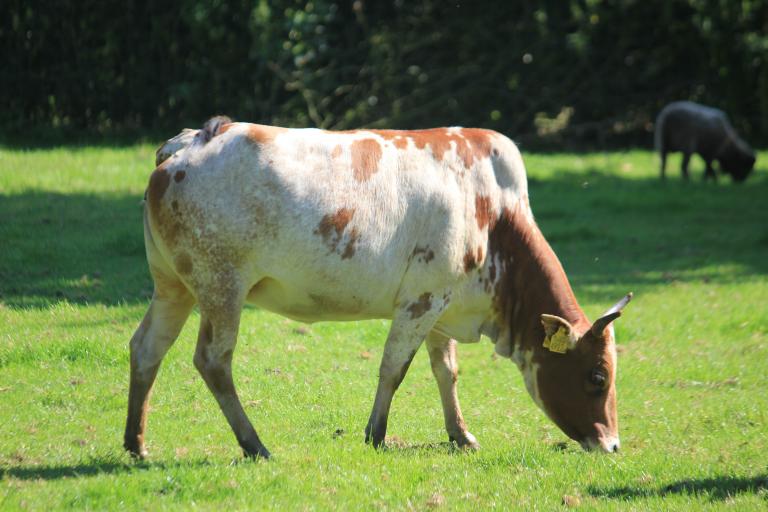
429 228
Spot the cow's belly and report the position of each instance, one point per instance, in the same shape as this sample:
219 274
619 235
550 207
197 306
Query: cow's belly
313 303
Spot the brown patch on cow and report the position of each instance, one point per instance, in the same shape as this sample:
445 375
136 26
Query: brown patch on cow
262 134
158 184
484 212
335 222
479 255
366 154
421 306
183 263
470 263
471 144
531 281
479 140
350 249
331 229
426 254
464 151
224 127
336 152
440 143
180 175
400 142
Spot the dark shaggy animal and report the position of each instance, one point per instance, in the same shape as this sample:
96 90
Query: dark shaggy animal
692 128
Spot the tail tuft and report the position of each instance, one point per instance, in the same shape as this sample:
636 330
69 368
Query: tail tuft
211 128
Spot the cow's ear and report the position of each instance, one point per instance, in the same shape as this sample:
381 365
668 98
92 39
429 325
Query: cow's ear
609 316
559 334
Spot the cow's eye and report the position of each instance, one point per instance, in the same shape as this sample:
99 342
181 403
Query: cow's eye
598 378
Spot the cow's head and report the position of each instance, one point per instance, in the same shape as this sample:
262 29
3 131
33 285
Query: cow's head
576 379
737 159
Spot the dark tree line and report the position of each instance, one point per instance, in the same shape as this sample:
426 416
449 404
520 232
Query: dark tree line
558 73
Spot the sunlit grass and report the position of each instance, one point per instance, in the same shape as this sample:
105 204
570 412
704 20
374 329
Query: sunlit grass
693 360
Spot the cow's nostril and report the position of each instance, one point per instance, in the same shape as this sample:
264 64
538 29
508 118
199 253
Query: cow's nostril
610 445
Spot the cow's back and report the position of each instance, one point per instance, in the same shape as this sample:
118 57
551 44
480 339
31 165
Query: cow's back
333 225
690 127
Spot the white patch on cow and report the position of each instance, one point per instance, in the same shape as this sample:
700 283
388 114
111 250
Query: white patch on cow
175 144
608 444
268 196
530 370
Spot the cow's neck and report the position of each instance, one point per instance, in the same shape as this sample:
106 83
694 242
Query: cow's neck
531 282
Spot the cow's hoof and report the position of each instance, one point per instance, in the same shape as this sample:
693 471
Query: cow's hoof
376 442
470 447
465 441
136 452
259 452
375 435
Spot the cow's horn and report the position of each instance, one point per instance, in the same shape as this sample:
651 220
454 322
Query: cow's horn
609 316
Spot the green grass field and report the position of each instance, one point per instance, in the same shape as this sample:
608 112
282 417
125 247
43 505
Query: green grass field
692 383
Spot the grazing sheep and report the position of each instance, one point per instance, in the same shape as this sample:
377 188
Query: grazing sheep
692 128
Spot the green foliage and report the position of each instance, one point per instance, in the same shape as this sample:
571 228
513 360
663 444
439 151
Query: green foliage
693 359
603 67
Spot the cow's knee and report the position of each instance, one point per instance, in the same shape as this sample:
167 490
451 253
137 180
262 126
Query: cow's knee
215 370
200 363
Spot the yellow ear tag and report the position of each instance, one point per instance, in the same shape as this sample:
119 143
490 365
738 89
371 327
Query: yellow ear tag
558 342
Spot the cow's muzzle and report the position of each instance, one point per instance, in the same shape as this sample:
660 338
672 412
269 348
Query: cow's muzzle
608 444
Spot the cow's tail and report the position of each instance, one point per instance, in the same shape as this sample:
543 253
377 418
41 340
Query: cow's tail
189 137
210 129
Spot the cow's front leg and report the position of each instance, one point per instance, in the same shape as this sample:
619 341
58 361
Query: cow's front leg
413 320
445 368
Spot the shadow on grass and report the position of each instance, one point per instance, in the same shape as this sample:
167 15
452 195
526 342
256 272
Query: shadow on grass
717 488
95 467
395 445
613 234
616 234
82 248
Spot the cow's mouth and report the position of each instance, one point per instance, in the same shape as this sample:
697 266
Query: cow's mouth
609 444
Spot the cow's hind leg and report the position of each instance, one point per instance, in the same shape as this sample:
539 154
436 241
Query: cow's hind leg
684 165
213 359
663 157
445 368
169 309
410 325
